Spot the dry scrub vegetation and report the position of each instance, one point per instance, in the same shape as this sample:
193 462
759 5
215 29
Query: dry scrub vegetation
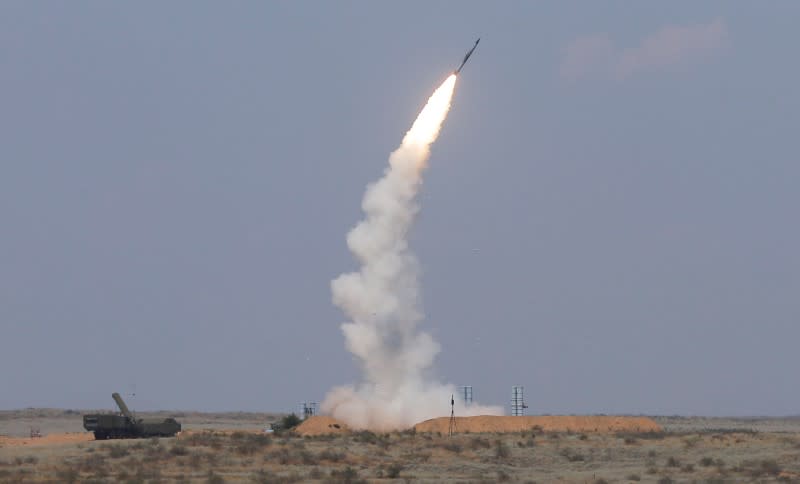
529 456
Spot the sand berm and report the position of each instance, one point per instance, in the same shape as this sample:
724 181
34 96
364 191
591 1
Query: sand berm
321 425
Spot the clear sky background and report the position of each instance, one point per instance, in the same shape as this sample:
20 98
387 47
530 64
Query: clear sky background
609 217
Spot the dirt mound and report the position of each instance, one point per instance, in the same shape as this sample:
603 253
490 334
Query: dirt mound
321 425
65 438
559 423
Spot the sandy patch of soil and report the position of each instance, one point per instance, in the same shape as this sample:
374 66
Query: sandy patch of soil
58 438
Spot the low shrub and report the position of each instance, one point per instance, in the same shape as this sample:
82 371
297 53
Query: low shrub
766 467
332 456
280 455
195 459
706 462
394 470
655 435
147 473
307 458
691 442
94 464
67 475
501 450
117 451
367 437
453 447
178 449
347 475
416 456
204 439
479 443
248 444
289 422
571 455
213 478
156 452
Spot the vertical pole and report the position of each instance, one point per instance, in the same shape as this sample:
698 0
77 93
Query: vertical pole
452 428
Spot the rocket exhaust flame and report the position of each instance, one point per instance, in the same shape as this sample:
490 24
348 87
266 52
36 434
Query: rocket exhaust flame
429 121
382 298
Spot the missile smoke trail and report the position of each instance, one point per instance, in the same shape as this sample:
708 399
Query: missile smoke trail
382 298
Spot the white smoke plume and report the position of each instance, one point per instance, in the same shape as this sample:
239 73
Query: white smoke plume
382 298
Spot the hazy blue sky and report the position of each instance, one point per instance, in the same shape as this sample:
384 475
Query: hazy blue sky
609 217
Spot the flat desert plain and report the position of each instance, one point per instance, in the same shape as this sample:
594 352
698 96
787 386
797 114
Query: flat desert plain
232 447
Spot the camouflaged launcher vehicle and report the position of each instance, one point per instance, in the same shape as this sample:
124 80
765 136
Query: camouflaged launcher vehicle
125 425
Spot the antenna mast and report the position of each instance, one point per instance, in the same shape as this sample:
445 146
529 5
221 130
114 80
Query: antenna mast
452 428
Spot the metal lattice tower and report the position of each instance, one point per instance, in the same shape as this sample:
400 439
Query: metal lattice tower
466 395
517 401
308 409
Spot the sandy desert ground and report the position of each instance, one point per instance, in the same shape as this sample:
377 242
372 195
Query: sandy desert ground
232 447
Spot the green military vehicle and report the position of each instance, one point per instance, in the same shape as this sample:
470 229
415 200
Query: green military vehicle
127 426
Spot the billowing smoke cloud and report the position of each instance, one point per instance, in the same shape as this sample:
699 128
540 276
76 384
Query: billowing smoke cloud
382 299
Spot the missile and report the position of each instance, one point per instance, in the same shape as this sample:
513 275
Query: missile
457 71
